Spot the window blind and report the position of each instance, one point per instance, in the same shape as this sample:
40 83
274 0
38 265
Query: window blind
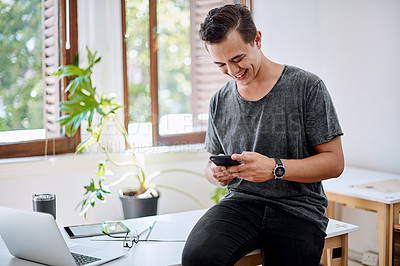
51 91
205 76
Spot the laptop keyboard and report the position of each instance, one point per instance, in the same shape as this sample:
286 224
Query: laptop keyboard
83 259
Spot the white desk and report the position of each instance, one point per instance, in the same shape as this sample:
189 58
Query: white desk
346 190
158 253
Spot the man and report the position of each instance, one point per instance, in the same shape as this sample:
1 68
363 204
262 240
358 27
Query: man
280 122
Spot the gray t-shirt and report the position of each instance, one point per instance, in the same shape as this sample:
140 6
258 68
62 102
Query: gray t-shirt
294 116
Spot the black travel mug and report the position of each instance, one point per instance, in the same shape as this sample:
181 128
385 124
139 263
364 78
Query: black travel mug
44 202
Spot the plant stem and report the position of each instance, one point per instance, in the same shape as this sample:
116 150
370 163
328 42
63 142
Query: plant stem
122 178
141 177
122 129
120 164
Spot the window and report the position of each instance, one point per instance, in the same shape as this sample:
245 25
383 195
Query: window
169 75
36 37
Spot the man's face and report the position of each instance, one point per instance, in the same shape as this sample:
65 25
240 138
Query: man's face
236 58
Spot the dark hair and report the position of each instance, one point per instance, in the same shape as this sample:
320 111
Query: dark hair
222 20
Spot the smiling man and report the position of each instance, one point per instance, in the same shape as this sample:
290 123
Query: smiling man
280 122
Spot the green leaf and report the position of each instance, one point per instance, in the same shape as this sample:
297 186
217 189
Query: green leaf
90 55
92 60
92 187
106 190
80 107
218 194
101 169
83 145
79 83
68 71
100 196
90 119
76 59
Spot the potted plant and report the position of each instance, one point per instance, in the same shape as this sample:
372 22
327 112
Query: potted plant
86 105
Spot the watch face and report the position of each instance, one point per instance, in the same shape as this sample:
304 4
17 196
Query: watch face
279 171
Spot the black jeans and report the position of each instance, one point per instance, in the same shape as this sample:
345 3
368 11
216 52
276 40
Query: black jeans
231 229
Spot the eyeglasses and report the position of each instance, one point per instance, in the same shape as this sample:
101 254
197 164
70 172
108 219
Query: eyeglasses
130 239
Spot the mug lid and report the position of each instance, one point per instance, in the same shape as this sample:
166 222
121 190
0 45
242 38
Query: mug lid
43 196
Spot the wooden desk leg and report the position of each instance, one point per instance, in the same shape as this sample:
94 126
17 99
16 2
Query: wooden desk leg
332 243
345 249
330 210
384 234
328 257
394 219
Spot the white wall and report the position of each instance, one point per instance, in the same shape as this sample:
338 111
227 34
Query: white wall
354 47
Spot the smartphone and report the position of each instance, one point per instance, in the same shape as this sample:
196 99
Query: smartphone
87 230
224 160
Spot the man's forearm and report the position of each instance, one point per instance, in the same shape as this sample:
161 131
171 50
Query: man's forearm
313 169
327 163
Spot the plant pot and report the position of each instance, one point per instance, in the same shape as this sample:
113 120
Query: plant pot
139 206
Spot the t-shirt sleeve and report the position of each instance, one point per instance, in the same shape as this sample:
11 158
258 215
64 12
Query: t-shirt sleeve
322 123
212 143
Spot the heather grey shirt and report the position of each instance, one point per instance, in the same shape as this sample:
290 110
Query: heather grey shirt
294 116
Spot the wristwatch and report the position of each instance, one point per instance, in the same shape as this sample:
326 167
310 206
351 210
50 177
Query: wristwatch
279 171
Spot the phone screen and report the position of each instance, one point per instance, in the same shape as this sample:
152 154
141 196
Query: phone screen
87 230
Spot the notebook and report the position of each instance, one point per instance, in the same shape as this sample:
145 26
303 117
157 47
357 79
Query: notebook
35 236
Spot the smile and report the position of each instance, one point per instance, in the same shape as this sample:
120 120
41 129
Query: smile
238 76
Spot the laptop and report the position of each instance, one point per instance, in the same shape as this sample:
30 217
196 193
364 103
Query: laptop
35 236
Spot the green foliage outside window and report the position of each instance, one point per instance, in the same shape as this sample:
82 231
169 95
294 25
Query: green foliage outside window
138 59
173 28
21 87
173 18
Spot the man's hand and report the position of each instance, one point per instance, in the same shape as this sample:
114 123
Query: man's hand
221 174
218 175
255 167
